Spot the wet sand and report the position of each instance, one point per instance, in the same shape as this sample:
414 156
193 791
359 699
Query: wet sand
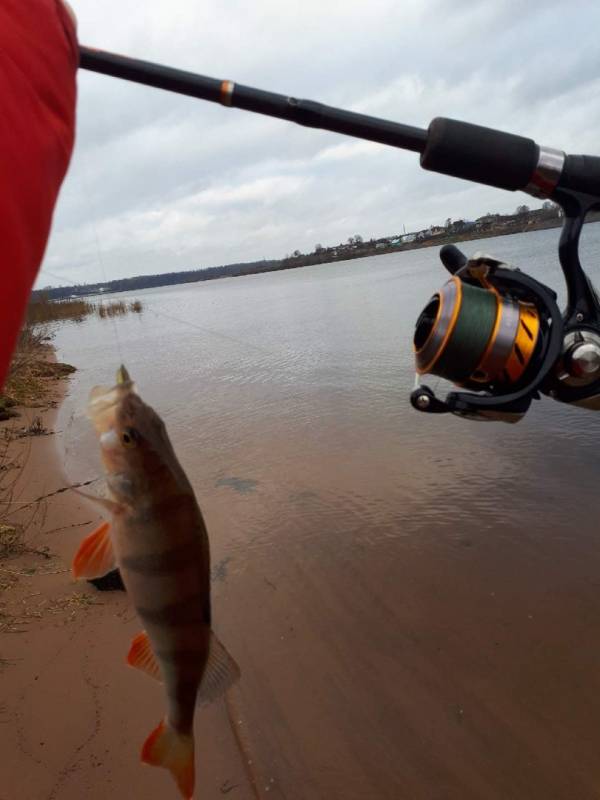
463 668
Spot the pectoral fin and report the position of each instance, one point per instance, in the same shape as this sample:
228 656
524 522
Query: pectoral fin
95 556
103 502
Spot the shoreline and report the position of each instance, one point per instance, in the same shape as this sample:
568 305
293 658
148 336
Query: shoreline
74 716
366 250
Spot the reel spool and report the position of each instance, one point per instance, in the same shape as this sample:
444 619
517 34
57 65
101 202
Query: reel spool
491 329
475 337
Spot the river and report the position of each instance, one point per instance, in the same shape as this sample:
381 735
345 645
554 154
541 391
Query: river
414 600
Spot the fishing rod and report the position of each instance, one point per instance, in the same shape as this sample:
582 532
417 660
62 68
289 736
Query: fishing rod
492 329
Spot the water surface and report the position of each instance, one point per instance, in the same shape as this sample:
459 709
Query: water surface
414 600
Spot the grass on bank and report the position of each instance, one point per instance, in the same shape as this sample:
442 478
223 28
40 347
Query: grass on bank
42 310
118 307
31 364
31 367
25 384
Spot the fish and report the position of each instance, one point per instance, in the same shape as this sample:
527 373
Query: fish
158 539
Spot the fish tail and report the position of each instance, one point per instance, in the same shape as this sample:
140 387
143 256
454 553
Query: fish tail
165 747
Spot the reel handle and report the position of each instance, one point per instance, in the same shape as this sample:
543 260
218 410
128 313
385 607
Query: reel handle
452 258
423 399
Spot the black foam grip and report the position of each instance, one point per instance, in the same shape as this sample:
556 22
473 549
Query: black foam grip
452 258
479 154
582 174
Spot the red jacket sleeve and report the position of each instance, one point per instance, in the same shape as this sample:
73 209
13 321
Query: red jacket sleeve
38 65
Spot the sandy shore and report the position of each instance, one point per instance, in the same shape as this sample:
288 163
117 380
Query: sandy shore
73 716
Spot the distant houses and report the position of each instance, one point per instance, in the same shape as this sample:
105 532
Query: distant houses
406 238
488 223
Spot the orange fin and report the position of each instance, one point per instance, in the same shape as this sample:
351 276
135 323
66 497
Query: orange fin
165 747
95 556
220 673
140 655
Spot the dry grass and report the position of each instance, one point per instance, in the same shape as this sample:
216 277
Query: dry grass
115 309
118 307
35 428
10 540
42 310
17 516
26 384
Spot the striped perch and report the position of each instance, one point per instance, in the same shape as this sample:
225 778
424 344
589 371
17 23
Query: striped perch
158 539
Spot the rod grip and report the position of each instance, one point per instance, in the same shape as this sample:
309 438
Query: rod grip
479 154
581 174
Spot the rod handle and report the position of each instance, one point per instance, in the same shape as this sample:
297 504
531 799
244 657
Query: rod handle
479 154
581 174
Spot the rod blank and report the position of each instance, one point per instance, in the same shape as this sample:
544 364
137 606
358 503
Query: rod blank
302 112
448 146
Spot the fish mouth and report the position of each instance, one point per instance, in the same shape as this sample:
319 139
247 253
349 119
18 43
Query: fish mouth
123 376
104 401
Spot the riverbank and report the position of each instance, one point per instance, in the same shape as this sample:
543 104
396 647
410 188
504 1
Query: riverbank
73 715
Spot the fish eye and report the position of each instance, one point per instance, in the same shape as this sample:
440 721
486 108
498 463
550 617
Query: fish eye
129 437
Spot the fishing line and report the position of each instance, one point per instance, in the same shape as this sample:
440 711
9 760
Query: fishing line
45 271
241 740
226 337
85 173
100 254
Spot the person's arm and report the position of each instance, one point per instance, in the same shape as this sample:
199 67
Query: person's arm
38 64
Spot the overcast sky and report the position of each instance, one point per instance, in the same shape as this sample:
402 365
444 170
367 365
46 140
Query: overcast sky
161 182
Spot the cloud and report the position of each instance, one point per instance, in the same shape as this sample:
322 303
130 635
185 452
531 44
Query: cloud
161 182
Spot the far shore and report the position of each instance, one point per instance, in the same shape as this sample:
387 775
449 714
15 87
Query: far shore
505 226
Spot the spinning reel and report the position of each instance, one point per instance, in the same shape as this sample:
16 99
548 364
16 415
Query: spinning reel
497 332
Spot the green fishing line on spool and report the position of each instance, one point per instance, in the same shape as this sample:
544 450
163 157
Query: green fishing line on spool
472 331
463 351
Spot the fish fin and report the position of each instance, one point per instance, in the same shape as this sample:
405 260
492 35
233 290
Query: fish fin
220 674
141 656
166 747
98 391
107 505
95 556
